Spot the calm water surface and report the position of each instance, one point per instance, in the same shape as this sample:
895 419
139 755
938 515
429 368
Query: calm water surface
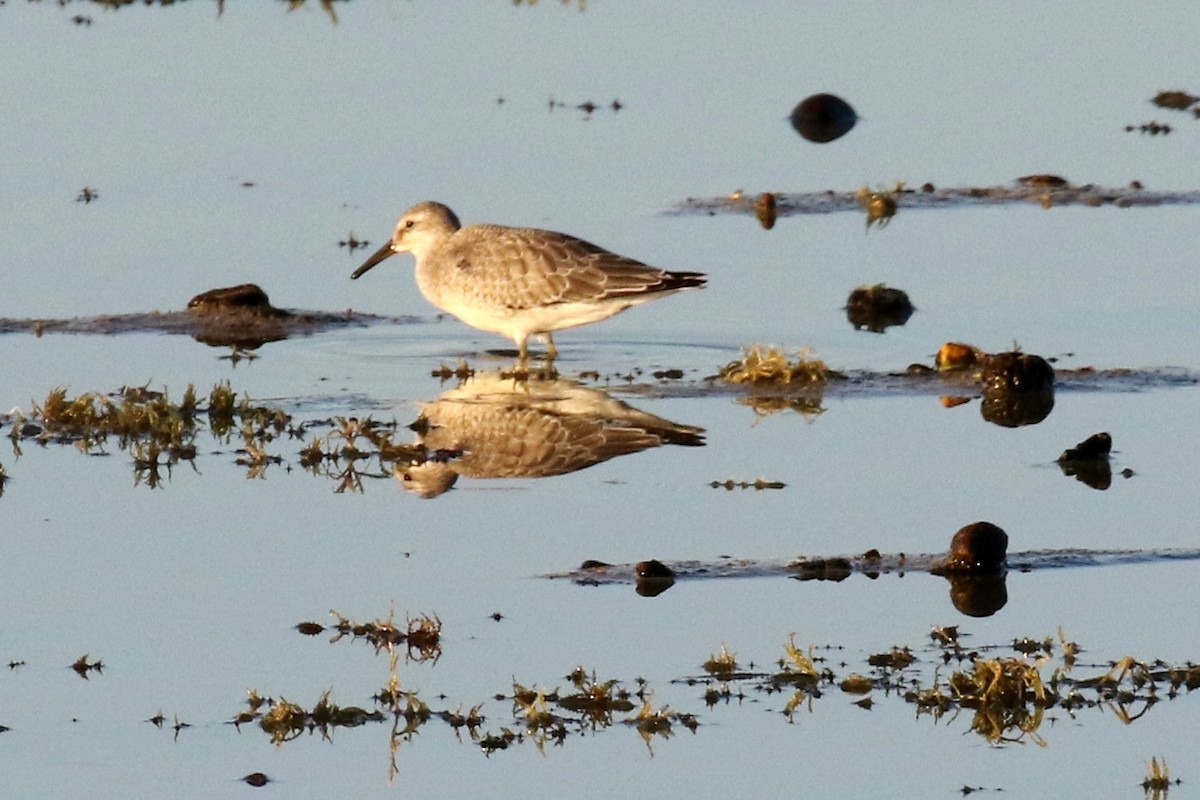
188 593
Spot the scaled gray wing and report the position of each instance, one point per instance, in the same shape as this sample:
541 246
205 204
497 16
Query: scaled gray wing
521 268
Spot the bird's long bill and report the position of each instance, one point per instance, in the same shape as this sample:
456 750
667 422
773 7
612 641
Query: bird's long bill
379 255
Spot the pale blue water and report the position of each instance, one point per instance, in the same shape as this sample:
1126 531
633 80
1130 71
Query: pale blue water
188 593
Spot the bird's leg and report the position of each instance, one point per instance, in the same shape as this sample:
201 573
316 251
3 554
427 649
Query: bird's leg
551 350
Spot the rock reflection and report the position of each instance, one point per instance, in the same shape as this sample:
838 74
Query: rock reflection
878 307
822 118
493 426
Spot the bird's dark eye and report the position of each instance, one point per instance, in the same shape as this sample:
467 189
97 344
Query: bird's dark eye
408 224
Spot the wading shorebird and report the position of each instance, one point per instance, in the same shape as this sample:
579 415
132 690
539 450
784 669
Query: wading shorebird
521 282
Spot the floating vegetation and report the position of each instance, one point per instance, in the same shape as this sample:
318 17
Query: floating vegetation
770 366
83 667
87 194
1158 779
880 205
1153 127
758 484
352 243
357 447
1007 696
284 721
461 370
155 431
421 635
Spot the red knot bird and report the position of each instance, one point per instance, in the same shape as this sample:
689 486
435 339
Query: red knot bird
521 282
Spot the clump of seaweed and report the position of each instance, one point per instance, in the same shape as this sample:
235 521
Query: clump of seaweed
770 366
156 431
1158 779
758 484
346 452
83 667
880 204
284 721
421 635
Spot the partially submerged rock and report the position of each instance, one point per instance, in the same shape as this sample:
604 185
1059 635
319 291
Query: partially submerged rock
1018 389
1087 461
239 316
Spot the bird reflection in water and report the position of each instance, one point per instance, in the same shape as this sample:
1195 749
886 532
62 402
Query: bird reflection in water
493 426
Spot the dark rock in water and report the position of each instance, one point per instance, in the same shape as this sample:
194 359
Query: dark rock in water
1017 371
653 578
823 117
976 548
1087 461
1018 389
878 307
1094 448
653 569
243 297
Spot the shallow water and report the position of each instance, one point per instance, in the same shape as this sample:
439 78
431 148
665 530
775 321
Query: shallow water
188 592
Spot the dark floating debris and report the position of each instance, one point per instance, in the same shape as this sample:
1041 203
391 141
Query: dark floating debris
878 307
256 779
1088 461
588 107
822 118
1153 127
758 484
1175 100
87 194
352 243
